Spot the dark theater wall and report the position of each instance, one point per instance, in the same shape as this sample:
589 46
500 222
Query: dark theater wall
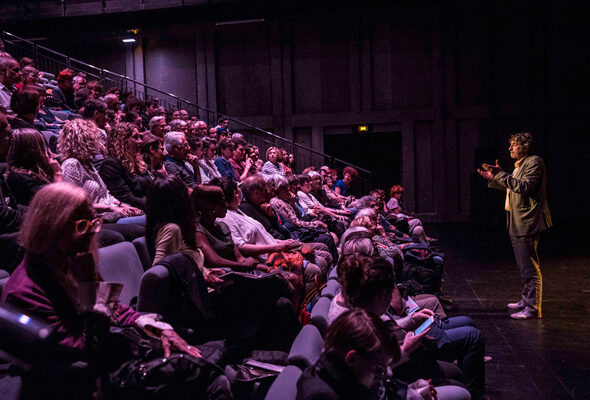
455 77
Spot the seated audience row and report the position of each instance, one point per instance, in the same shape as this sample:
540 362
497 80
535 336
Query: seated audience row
257 238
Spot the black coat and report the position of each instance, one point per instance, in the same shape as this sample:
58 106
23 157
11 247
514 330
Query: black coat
128 188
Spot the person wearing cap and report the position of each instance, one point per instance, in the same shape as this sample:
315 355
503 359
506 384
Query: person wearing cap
64 94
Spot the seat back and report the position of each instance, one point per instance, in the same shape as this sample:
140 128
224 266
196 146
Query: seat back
319 314
332 289
143 252
333 274
120 263
307 347
285 386
154 290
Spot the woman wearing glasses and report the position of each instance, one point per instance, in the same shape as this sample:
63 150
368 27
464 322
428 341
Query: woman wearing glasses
58 282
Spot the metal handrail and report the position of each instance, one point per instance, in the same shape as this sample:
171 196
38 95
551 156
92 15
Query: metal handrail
102 71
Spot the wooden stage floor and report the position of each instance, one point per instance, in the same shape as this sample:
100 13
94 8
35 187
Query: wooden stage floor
548 358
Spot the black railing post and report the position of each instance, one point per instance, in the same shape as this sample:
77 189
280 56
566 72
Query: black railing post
35 56
68 62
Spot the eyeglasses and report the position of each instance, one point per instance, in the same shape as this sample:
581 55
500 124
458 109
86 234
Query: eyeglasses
84 225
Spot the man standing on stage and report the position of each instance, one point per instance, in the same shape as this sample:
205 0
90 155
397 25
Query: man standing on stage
527 215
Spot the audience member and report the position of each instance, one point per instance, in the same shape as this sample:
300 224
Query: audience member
242 169
78 143
10 215
29 76
95 88
25 104
183 115
134 104
369 283
96 111
58 275
170 225
253 240
133 118
81 96
178 125
201 128
272 166
64 94
151 110
226 151
26 62
112 102
124 171
342 187
180 161
208 160
79 82
157 126
10 75
29 167
152 151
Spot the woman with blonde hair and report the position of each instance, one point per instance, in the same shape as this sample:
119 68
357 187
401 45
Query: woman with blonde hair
273 165
124 172
78 143
58 282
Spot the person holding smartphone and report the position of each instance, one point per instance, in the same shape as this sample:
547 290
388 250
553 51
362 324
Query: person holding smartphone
368 283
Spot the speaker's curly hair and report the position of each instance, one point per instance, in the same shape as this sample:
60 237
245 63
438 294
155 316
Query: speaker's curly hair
525 139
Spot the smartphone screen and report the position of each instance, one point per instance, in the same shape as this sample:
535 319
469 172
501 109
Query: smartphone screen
424 326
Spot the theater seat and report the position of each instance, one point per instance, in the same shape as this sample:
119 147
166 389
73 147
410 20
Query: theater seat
333 274
307 347
319 314
154 289
63 115
332 289
285 386
120 263
143 252
4 275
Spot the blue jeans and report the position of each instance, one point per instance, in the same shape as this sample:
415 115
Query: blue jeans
139 220
456 322
467 346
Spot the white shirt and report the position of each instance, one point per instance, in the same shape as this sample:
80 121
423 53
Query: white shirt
246 230
5 96
307 200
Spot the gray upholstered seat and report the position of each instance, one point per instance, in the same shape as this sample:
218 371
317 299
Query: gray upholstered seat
332 289
307 347
120 263
333 274
285 386
319 314
154 290
143 252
